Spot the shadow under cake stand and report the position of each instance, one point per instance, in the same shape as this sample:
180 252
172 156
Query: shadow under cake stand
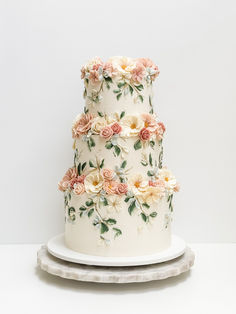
66 263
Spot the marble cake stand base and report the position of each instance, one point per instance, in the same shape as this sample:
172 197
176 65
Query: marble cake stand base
103 274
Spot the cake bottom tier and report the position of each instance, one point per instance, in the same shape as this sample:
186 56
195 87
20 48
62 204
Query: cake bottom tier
116 226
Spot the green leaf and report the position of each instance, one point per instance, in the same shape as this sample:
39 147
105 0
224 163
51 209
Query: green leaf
150 100
139 87
137 144
89 146
152 143
105 202
121 84
144 163
90 212
124 163
151 111
69 196
102 164
144 217
131 207
109 145
108 79
118 232
118 96
116 91
150 173
100 114
146 205
89 202
127 199
79 169
92 143
84 165
111 221
122 114
140 98
117 150
83 208
131 90
150 159
104 228
86 110
153 214
91 164
71 210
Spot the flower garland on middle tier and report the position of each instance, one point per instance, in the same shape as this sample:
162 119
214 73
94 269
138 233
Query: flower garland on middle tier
145 126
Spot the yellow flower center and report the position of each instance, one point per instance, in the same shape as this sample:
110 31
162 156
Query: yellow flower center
137 184
124 66
166 179
146 124
95 183
133 126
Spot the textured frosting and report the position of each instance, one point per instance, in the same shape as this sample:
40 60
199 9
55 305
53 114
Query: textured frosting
118 196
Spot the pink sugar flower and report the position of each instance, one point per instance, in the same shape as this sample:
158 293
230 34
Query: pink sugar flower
110 187
70 175
81 178
122 188
138 73
160 131
149 122
108 174
83 125
144 134
106 132
94 76
109 70
116 128
79 189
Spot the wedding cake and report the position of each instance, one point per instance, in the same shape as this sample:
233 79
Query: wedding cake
117 195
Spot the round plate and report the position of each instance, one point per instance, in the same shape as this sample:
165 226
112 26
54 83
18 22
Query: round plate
56 246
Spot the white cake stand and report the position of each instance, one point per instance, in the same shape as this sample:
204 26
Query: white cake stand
56 246
80 272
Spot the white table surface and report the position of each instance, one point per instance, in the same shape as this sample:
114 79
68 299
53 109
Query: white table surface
210 287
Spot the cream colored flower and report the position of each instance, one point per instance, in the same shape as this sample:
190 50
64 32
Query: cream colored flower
114 203
169 179
93 182
98 124
132 125
137 184
151 195
123 65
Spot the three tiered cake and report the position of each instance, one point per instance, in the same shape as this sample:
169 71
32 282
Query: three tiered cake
118 196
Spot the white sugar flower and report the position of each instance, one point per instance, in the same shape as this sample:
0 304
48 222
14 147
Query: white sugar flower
93 182
132 125
169 179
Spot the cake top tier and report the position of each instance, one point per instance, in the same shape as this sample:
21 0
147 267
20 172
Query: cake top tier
120 84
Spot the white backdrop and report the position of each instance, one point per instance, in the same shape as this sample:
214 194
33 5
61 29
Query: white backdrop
43 45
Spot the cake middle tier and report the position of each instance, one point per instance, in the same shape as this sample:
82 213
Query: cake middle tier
128 156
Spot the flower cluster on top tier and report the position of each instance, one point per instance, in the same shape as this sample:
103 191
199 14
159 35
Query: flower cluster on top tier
134 70
144 126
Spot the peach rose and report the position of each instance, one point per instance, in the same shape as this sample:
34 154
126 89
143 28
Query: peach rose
149 122
81 178
107 174
147 63
116 128
79 189
106 132
177 187
110 187
94 76
82 125
122 188
138 73
160 131
144 134
109 70
70 175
